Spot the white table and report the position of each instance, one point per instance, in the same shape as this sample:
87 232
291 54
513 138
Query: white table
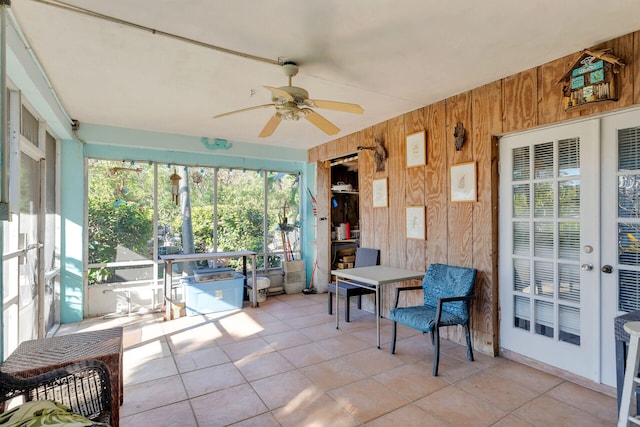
374 276
168 271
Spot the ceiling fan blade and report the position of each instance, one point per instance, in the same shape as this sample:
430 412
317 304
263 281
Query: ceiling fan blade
270 127
339 106
240 111
279 92
323 124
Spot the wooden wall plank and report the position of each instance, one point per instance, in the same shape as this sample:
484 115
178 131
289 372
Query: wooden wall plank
414 122
520 100
636 67
460 250
332 149
353 142
381 215
550 97
323 152
323 237
487 114
396 185
436 184
365 181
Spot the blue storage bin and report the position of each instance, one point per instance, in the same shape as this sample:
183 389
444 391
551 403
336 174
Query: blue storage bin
214 295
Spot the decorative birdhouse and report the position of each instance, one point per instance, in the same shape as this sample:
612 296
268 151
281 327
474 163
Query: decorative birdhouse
592 78
175 187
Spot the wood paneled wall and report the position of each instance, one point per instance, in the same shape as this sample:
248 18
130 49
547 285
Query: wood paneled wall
463 234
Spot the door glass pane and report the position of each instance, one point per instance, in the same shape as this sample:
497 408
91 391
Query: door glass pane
629 196
28 268
521 165
543 199
521 201
569 240
544 318
544 278
569 321
628 215
569 279
554 249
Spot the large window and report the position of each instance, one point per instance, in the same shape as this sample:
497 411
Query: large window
195 210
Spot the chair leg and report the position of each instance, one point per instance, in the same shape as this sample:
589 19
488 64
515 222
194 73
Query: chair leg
330 303
436 356
347 309
469 348
393 337
433 342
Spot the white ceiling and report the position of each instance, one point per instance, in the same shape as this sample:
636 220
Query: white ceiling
390 57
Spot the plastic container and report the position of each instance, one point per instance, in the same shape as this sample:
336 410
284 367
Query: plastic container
262 283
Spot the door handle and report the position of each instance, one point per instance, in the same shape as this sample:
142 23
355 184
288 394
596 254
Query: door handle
587 267
607 269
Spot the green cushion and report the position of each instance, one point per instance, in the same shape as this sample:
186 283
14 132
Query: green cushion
44 413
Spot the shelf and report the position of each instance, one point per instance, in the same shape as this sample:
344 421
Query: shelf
344 241
344 192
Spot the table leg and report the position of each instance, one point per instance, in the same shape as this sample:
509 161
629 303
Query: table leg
376 303
254 286
168 284
337 299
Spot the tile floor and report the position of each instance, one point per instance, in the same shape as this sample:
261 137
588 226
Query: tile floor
285 364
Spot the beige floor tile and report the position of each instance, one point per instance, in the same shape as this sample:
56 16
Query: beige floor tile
531 378
264 420
322 331
372 361
194 338
333 373
501 393
410 382
278 390
199 359
211 379
155 349
546 411
178 414
343 344
147 370
314 410
239 325
367 399
512 421
274 327
227 406
596 404
407 416
286 339
152 394
248 348
263 365
307 354
460 408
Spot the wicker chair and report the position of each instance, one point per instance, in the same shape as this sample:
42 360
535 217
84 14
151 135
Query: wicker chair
83 387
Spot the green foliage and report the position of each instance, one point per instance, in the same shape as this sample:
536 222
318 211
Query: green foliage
112 225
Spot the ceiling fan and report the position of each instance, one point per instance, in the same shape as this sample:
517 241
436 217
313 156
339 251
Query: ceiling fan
293 103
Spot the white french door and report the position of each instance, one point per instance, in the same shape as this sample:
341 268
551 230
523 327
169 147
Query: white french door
549 246
620 270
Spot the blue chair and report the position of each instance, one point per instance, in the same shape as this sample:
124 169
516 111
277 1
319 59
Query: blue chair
447 293
365 257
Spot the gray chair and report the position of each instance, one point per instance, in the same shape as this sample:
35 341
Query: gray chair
365 257
447 293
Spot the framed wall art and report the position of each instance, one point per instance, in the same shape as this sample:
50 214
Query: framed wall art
415 222
463 182
380 193
417 149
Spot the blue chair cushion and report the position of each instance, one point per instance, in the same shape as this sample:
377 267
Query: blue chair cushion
422 318
444 281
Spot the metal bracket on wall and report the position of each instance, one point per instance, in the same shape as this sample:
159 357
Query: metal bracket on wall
217 144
